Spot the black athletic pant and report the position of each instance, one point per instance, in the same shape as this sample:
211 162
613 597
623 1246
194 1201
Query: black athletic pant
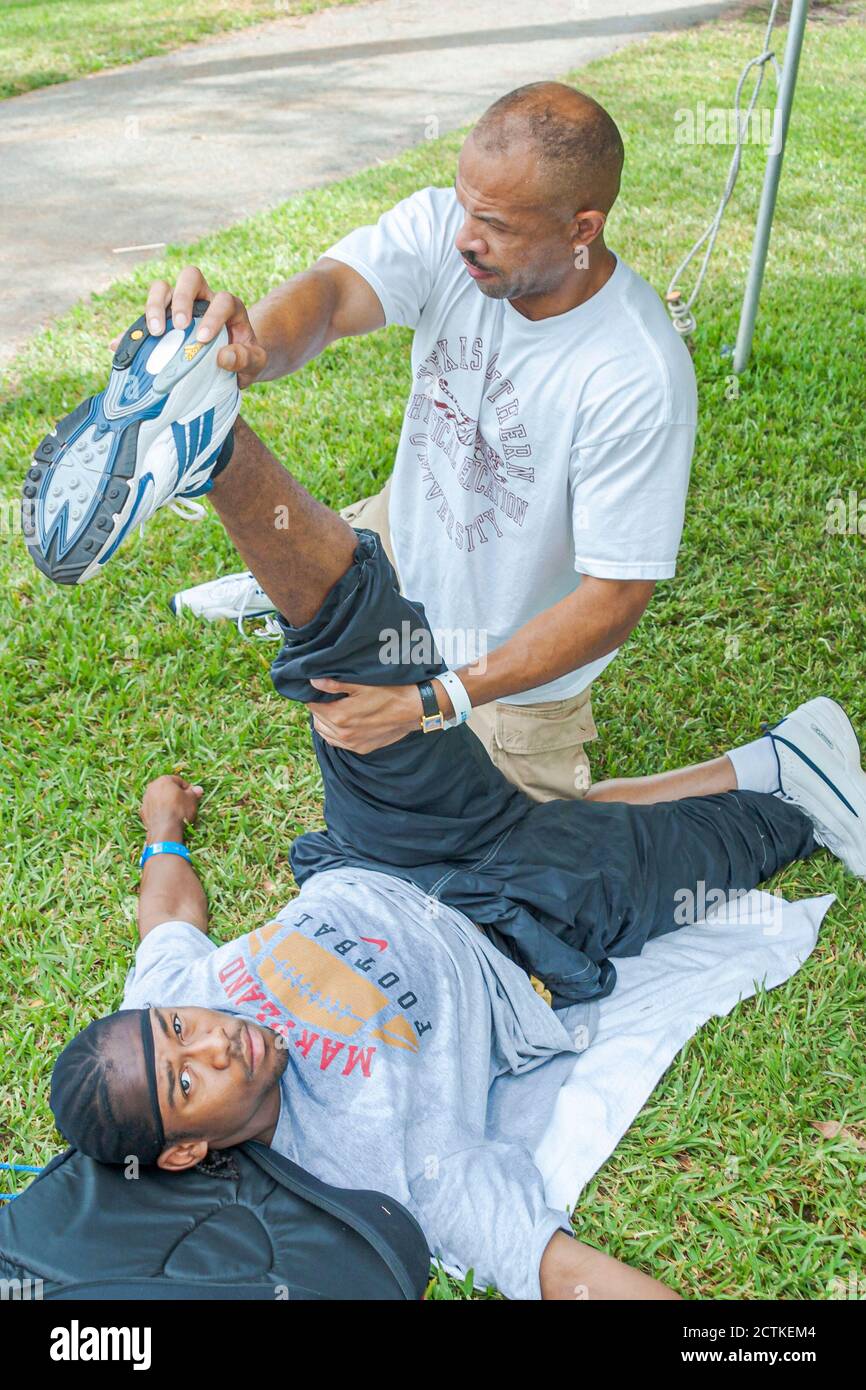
560 886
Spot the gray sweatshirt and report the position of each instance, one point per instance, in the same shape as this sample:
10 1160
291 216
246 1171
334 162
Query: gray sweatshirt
398 1017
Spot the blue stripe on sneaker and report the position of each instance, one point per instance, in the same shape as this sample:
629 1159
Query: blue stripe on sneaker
814 766
179 435
206 429
194 465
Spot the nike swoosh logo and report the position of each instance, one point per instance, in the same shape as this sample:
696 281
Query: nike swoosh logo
375 941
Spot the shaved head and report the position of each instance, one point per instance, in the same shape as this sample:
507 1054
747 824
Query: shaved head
536 178
574 142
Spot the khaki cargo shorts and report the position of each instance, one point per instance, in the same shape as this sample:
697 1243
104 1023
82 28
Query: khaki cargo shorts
540 748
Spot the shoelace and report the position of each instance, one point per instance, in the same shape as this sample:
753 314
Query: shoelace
188 508
268 632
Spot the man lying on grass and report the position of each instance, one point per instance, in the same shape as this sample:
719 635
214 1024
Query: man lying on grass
359 1032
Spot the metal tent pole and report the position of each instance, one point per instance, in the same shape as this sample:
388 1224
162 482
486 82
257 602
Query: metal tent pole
790 63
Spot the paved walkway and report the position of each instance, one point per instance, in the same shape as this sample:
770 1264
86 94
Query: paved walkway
174 147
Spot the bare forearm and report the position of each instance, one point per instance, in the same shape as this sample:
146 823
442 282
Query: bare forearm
294 322
170 889
586 625
299 319
572 1270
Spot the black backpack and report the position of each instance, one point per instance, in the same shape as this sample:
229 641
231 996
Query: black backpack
262 1228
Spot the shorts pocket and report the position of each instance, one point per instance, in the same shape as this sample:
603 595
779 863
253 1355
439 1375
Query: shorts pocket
545 728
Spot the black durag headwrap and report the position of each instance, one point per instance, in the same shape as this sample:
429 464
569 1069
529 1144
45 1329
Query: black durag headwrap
103 1090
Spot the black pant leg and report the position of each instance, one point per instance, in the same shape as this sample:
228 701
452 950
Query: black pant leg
428 798
608 876
728 844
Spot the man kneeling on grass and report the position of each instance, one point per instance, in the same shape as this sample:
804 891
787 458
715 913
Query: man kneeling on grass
360 1031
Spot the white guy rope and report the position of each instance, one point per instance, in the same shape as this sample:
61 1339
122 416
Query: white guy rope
681 310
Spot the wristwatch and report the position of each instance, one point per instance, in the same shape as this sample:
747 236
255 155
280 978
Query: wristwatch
432 717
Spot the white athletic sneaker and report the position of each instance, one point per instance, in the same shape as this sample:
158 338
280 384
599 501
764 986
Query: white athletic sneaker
151 437
819 771
234 596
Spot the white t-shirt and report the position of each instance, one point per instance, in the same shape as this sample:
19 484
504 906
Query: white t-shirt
531 452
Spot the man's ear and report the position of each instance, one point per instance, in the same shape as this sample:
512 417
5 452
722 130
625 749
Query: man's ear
586 226
186 1154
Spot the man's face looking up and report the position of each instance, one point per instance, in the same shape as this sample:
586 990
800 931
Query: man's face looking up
217 1075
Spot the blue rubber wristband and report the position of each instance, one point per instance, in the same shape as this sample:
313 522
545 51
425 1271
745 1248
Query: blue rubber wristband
163 847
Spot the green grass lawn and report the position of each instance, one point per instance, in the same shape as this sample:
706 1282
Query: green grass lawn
48 41
723 1186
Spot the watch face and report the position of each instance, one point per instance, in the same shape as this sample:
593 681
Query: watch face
431 722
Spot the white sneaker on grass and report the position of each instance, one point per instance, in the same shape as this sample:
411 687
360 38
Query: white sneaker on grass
234 596
818 756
